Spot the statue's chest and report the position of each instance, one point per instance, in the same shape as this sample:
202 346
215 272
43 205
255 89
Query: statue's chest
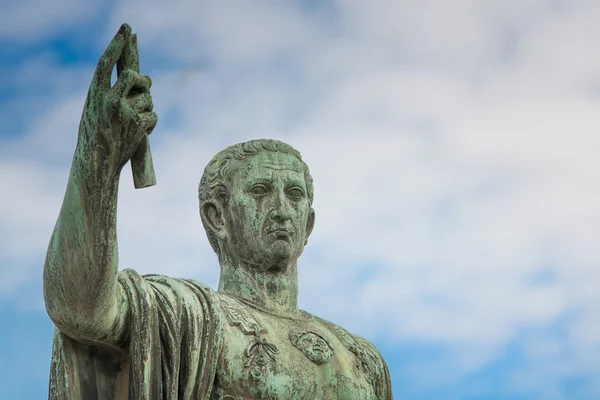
267 357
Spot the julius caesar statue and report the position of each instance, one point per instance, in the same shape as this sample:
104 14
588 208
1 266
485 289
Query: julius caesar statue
120 335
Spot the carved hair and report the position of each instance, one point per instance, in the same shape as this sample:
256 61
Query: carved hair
216 179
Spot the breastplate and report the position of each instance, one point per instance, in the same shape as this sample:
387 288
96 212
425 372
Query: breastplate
277 358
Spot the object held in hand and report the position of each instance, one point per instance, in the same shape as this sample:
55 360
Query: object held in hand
141 162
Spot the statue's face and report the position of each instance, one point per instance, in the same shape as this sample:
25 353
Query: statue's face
268 217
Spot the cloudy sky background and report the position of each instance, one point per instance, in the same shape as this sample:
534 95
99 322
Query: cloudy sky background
454 147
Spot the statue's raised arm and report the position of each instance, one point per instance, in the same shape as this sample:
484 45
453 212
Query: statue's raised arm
81 291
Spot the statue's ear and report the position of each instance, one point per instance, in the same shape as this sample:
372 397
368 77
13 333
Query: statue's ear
310 224
212 214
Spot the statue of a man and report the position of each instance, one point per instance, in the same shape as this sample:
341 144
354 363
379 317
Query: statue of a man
120 335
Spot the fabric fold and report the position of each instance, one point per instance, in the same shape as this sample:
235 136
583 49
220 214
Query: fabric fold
172 351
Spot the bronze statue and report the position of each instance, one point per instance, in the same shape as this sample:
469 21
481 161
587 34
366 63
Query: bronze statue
120 335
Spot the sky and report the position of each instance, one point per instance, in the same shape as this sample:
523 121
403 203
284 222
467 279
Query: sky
454 150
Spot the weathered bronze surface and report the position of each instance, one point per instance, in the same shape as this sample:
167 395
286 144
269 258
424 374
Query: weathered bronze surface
120 335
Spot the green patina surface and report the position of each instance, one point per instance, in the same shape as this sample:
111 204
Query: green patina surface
124 336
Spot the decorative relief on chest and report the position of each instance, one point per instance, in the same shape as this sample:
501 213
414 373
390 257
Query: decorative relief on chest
314 346
259 353
237 315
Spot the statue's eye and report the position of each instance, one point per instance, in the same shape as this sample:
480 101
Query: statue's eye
296 192
258 190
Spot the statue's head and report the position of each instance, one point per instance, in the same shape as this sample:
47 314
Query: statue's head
256 204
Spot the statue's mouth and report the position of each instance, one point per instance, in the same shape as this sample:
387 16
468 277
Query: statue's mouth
280 234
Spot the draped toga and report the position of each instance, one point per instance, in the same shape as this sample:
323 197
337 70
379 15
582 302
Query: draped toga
171 353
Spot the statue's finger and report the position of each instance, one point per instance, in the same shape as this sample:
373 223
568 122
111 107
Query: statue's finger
129 57
141 102
147 121
110 57
128 80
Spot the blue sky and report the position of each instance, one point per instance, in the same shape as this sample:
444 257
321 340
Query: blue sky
454 148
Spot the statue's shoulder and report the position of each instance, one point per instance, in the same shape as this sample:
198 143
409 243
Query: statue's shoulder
368 358
178 284
169 290
355 343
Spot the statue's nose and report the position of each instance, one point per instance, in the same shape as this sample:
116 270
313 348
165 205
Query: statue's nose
281 208
281 214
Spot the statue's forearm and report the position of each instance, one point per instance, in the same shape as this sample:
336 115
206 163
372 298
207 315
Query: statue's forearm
80 273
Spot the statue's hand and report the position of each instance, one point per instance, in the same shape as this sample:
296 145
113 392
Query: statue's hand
116 119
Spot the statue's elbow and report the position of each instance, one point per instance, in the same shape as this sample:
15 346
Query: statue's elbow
58 313
80 321
50 297
76 325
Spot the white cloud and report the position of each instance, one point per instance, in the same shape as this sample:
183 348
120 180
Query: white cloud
33 20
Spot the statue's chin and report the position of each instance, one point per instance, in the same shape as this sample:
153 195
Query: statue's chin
281 251
274 257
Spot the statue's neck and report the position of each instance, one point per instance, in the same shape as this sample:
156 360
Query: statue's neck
275 291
